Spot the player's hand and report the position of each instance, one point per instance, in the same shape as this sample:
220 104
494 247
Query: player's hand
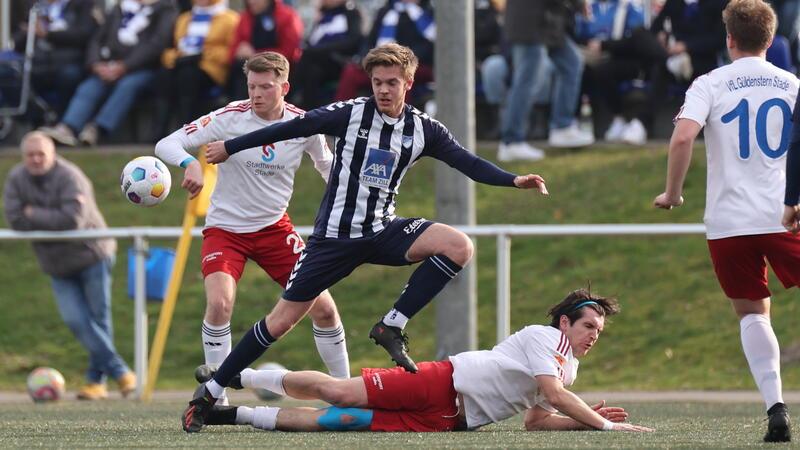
193 179
531 181
790 219
215 152
665 202
632 427
612 413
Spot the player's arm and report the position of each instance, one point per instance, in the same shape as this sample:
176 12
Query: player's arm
540 419
440 144
680 155
317 149
572 406
172 149
326 120
791 211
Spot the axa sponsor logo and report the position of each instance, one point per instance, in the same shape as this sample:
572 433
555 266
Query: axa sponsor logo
268 152
375 169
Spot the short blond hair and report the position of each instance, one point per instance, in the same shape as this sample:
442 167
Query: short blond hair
392 55
268 61
750 23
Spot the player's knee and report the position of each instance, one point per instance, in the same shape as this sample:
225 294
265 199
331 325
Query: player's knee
324 312
219 308
460 249
337 394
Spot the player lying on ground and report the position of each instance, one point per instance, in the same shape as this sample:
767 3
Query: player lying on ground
745 108
378 139
528 371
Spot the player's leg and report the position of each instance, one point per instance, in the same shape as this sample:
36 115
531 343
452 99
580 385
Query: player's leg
329 335
740 265
277 250
293 419
444 251
223 256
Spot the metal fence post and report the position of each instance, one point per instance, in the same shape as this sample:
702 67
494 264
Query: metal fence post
141 248
503 286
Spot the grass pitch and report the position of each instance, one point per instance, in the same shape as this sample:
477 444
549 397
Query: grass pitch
128 424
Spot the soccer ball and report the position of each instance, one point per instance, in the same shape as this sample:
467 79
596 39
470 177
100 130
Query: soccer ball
145 181
45 385
264 394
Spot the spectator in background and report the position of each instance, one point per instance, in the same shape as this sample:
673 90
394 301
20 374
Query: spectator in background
406 22
46 192
264 25
123 56
63 31
696 39
196 62
618 49
788 12
334 39
533 36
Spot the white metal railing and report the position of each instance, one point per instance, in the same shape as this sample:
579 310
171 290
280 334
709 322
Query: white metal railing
503 234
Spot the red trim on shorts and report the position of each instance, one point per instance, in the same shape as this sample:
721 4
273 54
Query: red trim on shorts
405 401
740 263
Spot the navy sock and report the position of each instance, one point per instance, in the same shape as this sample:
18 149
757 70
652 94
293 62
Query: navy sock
428 280
254 343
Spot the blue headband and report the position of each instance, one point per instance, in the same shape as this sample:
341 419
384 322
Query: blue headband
582 304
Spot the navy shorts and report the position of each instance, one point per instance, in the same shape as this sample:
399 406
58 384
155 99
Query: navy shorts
325 261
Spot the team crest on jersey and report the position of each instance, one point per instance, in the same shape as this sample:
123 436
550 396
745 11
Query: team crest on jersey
268 152
407 141
205 121
378 168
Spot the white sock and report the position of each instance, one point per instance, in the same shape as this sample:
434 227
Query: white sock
395 318
763 355
216 347
271 379
215 389
265 417
244 415
332 348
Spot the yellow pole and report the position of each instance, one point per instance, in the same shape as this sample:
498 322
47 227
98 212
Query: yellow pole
194 208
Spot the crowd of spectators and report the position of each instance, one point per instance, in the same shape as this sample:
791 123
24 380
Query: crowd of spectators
93 65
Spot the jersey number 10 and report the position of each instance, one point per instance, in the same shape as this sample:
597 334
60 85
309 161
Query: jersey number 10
742 112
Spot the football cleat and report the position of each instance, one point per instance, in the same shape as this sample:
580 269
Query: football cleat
778 427
195 415
395 342
222 415
204 373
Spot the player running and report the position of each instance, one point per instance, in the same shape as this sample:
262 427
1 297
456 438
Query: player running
745 108
527 371
247 218
377 140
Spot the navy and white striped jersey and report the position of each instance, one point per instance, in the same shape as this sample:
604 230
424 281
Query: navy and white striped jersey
372 153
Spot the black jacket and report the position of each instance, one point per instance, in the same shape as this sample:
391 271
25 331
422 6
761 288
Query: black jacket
546 22
407 34
145 54
62 47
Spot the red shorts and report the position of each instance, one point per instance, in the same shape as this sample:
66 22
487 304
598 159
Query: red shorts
741 263
404 401
274 248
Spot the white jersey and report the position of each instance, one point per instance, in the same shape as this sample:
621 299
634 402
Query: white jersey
253 186
499 383
746 108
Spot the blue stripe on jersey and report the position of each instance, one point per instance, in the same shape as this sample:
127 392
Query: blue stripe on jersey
405 157
353 184
385 143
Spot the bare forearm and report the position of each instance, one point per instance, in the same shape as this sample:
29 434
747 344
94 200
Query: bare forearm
571 405
680 155
556 422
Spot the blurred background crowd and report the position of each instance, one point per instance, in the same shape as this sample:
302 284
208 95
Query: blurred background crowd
566 72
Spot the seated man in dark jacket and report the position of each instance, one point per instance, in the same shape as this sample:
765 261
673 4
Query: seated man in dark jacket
123 57
62 34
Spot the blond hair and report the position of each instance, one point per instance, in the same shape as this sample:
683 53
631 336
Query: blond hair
268 61
750 23
388 55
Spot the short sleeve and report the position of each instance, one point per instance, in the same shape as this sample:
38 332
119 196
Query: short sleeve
697 104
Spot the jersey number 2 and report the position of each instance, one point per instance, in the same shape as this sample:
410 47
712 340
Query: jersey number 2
742 112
